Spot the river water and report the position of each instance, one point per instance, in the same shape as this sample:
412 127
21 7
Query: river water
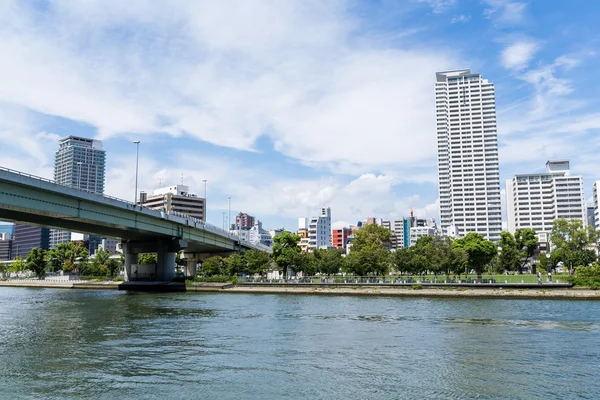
63 344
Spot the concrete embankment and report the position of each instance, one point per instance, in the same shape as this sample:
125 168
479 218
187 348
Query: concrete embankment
550 293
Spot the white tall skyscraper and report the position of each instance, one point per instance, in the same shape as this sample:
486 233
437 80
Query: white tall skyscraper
79 163
597 204
536 200
469 177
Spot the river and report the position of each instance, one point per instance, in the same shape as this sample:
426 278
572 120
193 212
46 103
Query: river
71 344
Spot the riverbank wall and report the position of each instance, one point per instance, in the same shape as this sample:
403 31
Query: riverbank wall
533 292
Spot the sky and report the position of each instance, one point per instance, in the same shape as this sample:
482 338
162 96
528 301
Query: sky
290 106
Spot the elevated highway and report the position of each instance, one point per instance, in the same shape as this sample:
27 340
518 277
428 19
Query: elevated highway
37 201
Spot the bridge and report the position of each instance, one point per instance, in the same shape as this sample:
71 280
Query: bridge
37 201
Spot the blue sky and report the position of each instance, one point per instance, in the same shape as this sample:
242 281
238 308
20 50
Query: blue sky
288 106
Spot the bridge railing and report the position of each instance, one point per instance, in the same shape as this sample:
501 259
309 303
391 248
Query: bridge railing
197 222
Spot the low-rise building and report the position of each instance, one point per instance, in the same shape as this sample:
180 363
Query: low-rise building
340 237
175 198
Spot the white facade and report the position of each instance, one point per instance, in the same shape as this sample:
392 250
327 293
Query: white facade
468 171
319 230
179 190
536 200
597 204
417 232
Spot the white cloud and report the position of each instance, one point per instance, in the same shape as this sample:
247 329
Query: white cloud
439 6
461 18
505 11
226 75
517 55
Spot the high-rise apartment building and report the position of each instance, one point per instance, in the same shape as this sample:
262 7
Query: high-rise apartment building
536 200
79 163
468 171
597 205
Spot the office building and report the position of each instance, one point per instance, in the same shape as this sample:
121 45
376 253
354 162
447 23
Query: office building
79 163
536 200
26 237
5 247
175 198
468 169
597 205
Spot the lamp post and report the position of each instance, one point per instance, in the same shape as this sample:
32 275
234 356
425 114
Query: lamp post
137 159
224 220
205 210
229 217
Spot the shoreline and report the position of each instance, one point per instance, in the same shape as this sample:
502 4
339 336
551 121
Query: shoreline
407 292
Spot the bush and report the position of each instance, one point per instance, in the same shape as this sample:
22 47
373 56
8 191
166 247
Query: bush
234 280
417 287
218 278
586 276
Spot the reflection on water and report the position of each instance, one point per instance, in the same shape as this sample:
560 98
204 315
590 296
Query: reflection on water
110 344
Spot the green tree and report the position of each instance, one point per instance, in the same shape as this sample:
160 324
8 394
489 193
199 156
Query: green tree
402 259
510 255
113 266
66 256
526 240
18 265
369 253
257 262
571 241
329 261
479 251
286 251
213 266
444 258
147 258
234 264
37 262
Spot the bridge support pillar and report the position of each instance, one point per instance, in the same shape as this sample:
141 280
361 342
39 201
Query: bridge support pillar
131 258
192 262
166 251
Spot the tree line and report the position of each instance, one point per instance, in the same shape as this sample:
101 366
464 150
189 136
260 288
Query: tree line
574 245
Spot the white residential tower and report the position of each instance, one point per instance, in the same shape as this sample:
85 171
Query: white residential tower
469 178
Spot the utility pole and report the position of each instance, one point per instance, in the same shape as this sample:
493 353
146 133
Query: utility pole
137 160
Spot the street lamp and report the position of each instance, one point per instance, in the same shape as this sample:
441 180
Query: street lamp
229 218
137 159
205 210
224 220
